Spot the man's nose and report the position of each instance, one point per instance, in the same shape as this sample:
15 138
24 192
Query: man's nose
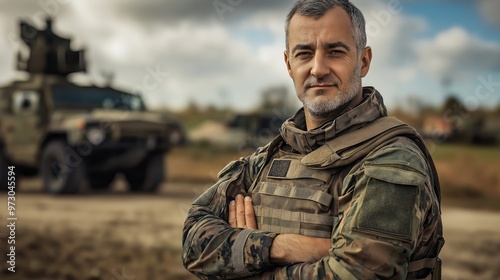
319 68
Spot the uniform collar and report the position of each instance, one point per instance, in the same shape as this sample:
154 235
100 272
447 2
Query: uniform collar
294 131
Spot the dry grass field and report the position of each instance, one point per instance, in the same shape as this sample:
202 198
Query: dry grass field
469 175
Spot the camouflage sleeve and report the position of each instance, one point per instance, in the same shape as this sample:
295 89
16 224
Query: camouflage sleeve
382 225
211 247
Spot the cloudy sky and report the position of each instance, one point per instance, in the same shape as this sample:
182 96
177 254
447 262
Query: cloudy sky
225 52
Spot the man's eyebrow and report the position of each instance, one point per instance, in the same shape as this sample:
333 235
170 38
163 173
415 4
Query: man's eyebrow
302 47
333 45
336 45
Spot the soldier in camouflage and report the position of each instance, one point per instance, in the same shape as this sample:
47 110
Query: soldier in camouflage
344 192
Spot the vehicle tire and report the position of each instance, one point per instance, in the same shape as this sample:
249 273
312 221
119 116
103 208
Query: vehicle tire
3 172
148 175
101 180
62 170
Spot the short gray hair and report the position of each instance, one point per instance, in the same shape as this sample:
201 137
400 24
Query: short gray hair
318 8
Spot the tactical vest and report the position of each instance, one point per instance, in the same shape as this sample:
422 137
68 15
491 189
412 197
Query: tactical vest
299 194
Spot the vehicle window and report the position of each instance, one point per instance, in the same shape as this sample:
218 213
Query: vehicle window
25 101
93 98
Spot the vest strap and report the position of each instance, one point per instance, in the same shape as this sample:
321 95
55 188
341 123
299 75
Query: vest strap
296 192
421 264
355 144
293 216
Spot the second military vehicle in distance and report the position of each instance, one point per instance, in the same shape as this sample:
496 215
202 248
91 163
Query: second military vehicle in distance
77 137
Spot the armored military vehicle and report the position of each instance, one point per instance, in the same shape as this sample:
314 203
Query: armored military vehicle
77 137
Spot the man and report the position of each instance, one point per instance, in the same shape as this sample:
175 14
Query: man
344 192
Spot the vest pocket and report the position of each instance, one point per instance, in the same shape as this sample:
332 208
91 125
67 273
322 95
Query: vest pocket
291 209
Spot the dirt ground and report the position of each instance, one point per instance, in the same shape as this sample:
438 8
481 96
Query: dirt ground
119 236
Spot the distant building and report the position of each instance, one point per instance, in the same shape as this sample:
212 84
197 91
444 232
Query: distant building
481 130
438 128
477 130
492 128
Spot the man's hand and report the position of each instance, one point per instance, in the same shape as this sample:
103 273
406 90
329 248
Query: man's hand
286 248
241 213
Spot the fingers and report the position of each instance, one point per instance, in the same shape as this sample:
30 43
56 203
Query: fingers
250 214
232 214
240 212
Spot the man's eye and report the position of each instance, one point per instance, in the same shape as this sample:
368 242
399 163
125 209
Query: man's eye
334 52
303 54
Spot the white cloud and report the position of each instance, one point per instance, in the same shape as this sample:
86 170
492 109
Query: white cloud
268 20
458 54
208 63
204 61
404 63
391 36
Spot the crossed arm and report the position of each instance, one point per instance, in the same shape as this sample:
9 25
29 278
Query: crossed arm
220 239
286 248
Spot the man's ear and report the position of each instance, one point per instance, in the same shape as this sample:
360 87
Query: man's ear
366 59
287 62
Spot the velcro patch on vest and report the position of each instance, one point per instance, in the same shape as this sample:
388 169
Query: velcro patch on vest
279 168
388 209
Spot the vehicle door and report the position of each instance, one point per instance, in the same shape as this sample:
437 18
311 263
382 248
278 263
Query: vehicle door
23 127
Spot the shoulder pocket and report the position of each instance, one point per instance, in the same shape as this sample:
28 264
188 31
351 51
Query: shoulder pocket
387 210
389 202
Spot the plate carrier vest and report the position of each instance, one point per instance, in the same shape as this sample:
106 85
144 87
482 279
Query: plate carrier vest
300 194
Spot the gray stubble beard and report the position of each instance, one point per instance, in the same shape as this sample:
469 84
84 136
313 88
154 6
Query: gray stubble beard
321 109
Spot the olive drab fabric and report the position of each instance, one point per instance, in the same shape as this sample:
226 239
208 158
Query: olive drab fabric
307 182
292 198
292 182
364 180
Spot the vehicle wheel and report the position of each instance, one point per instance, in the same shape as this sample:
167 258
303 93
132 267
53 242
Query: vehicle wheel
148 175
101 180
63 171
3 172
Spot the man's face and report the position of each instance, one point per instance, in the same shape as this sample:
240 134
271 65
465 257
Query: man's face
323 61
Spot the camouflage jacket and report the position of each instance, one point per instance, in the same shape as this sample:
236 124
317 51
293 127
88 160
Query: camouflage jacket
389 214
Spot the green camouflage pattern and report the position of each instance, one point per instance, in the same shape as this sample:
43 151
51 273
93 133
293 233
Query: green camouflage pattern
208 238
388 215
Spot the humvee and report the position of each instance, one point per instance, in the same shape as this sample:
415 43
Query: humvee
77 137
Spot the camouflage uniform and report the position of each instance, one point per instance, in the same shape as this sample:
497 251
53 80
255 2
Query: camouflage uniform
385 218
